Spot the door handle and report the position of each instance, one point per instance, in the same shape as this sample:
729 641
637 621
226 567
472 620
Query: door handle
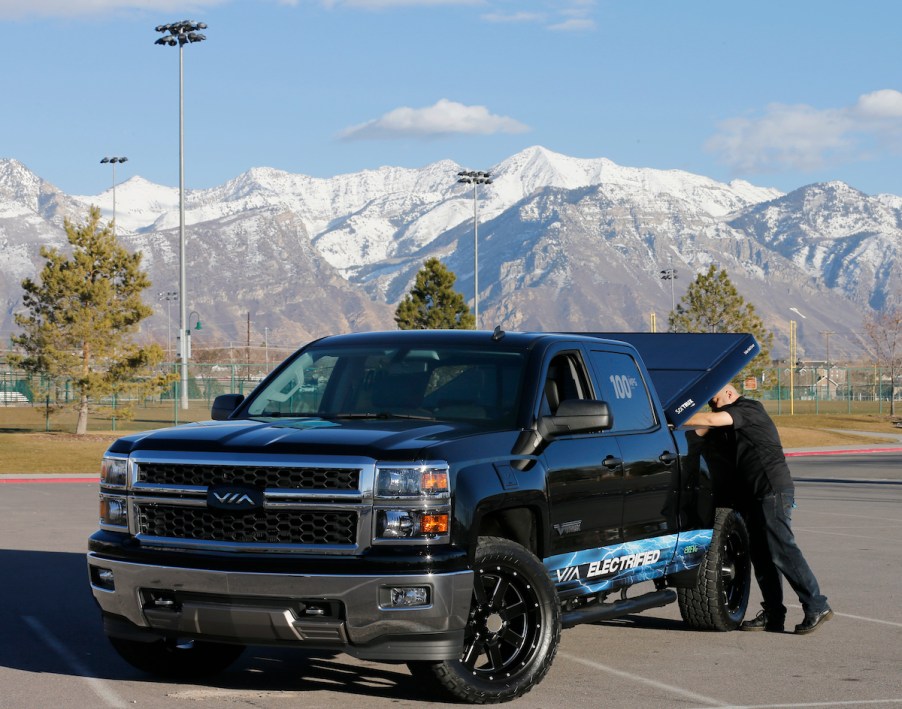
667 458
611 462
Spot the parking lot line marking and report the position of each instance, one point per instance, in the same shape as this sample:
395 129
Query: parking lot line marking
811 530
803 705
99 688
844 514
859 617
645 680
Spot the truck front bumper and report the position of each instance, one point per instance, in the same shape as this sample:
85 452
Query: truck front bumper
352 613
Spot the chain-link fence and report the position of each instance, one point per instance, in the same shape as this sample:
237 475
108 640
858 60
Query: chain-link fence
828 390
31 402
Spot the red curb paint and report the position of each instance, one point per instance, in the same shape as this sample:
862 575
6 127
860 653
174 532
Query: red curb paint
845 452
39 480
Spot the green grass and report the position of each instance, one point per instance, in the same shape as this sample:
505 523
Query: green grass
27 448
811 431
145 416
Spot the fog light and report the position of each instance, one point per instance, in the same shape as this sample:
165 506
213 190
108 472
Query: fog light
408 596
103 578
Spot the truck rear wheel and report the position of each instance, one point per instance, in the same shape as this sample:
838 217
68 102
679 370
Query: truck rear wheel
177 658
721 593
513 630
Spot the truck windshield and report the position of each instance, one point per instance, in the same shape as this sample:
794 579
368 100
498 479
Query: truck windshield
445 383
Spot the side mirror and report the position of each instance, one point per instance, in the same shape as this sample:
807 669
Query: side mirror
224 405
576 416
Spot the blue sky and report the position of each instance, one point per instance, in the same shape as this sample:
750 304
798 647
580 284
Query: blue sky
780 93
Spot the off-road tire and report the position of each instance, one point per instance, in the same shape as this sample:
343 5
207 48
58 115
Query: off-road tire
176 658
513 629
721 594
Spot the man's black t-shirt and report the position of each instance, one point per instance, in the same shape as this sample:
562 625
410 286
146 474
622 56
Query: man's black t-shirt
760 461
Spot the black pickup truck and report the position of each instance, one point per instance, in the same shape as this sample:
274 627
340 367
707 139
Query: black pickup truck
447 499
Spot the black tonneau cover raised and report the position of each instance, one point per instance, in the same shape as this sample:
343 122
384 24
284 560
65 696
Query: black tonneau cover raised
687 369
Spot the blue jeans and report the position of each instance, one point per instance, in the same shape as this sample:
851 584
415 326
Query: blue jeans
775 555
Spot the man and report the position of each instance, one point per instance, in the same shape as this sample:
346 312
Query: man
754 444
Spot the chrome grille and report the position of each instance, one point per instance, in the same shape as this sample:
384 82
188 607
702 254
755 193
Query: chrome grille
283 526
261 476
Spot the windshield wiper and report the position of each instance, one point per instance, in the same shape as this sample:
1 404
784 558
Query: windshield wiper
283 414
377 415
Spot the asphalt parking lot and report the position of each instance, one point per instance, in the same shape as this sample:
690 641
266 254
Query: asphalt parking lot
849 524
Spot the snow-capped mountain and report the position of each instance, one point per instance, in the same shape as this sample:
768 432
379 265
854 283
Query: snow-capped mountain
564 243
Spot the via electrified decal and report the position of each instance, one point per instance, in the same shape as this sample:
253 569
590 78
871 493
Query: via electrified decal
604 568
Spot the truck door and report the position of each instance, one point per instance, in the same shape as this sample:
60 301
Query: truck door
650 465
584 471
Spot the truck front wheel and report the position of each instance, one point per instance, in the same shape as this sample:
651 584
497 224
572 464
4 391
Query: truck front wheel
721 593
513 629
177 658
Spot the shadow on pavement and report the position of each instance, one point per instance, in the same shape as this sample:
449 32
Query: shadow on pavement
49 623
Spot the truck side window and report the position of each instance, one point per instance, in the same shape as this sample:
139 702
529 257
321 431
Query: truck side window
623 387
566 379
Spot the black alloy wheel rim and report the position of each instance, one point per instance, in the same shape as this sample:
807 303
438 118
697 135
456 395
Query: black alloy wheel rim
504 626
735 571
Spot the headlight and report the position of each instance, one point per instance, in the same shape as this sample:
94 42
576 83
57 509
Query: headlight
411 524
413 482
413 504
114 472
113 511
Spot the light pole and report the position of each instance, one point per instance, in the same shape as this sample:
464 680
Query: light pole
169 296
197 326
793 344
179 34
670 274
475 178
113 161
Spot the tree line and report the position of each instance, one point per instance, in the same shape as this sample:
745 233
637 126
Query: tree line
84 309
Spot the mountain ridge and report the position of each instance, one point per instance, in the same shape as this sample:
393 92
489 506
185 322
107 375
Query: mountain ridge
564 243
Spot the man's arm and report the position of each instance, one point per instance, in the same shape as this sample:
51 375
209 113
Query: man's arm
708 419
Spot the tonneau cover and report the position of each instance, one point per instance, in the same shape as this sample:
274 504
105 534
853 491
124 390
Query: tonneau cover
687 369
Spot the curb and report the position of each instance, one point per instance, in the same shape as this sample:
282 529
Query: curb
842 451
48 478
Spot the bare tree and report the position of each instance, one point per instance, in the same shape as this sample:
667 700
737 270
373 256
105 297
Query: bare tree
885 333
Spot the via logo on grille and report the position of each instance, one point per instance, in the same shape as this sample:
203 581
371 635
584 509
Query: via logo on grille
235 498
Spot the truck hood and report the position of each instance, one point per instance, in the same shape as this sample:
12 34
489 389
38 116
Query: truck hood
399 439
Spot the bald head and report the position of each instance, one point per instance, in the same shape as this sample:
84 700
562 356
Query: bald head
725 396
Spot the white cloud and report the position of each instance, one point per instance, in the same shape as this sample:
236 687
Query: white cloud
444 118
574 24
382 4
801 137
513 17
572 15
879 105
16 9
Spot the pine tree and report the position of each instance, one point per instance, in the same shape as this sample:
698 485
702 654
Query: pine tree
712 304
81 316
432 303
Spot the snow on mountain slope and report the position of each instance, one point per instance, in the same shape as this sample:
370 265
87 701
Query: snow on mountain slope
563 243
